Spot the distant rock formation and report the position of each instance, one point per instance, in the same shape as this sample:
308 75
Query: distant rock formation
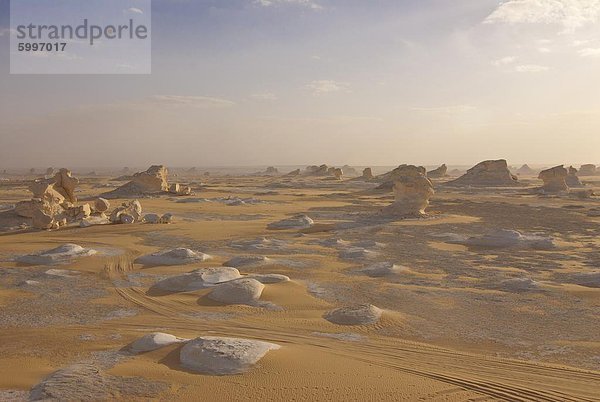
572 179
178 189
349 170
487 173
294 173
152 181
438 173
554 179
412 190
525 170
314 170
271 170
337 173
367 174
588 170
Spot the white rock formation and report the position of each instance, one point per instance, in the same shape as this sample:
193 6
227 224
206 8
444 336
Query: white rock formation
237 291
572 180
176 256
367 173
61 254
525 170
128 212
362 314
510 238
151 181
412 190
248 260
588 170
487 173
438 173
299 221
198 279
389 179
65 184
381 269
554 180
101 205
269 278
223 356
153 341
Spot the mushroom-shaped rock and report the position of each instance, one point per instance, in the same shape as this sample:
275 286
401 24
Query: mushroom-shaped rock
300 221
438 173
389 179
63 253
361 314
487 173
176 256
412 191
101 205
237 291
198 279
223 356
153 341
554 179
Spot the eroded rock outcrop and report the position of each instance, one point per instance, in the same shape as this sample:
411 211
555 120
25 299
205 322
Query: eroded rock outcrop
588 170
487 173
572 179
438 173
362 314
367 174
412 190
223 356
525 170
151 181
554 180
128 212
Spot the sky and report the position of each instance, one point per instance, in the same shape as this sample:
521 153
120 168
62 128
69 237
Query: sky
292 82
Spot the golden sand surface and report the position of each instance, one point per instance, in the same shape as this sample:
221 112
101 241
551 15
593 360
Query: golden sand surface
449 332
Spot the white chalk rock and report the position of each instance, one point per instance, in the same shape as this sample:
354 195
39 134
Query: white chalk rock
300 221
64 253
381 269
238 291
222 356
247 260
554 179
269 278
151 218
101 205
519 285
510 238
153 341
198 279
362 314
176 256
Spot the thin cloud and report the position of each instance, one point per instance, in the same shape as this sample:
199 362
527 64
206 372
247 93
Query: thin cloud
570 14
321 87
264 96
445 110
531 68
304 3
589 52
504 61
203 102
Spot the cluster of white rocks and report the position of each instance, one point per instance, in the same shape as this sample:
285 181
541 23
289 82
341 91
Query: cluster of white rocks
150 182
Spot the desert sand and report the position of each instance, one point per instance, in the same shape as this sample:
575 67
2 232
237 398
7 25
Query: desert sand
302 286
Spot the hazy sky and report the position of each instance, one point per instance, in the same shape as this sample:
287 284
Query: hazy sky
282 82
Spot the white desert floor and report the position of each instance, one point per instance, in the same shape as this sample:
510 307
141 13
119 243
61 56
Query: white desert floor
458 323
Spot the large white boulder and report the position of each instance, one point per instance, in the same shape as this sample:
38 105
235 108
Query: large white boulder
223 356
